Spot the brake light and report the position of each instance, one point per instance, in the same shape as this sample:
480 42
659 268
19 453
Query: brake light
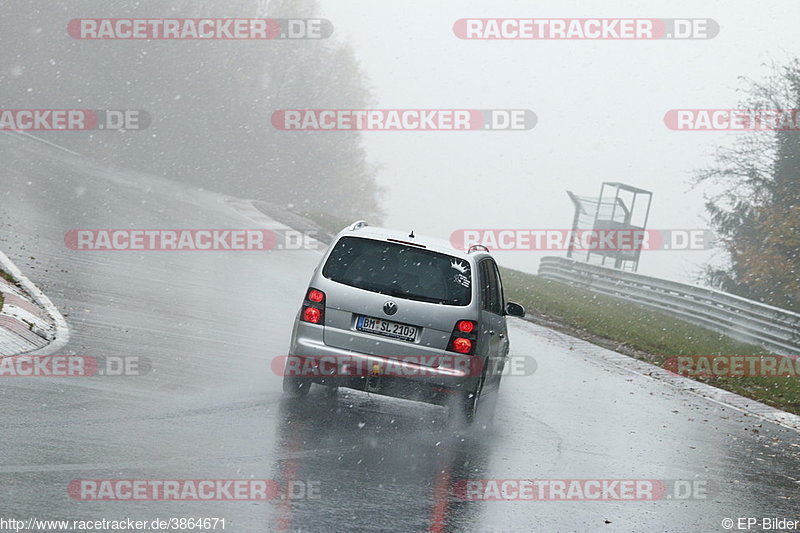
312 314
313 310
464 337
462 345
316 296
465 326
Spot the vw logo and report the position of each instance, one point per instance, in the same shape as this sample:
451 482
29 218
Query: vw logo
390 308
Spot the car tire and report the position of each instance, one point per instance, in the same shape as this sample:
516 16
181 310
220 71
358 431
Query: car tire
471 402
489 405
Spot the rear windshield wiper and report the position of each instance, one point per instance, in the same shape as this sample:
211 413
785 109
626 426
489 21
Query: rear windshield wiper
411 296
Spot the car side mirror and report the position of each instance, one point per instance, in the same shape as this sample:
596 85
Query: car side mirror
514 309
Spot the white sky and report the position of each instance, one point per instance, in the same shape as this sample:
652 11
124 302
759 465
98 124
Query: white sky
600 106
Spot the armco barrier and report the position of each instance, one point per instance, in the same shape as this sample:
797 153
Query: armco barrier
740 318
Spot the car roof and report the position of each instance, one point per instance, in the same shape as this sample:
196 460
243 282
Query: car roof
430 243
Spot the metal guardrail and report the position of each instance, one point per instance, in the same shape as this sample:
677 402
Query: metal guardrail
736 317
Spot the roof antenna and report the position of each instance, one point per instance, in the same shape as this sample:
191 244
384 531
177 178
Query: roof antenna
411 235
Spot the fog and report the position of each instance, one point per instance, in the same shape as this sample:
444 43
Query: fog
600 108
216 335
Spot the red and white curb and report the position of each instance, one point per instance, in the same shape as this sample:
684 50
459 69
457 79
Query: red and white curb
29 322
719 396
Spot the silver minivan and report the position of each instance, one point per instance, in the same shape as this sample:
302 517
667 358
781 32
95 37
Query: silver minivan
397 314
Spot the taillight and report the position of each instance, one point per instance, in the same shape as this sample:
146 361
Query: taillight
316 296
464 337
465 326
462 345
313 307
312 314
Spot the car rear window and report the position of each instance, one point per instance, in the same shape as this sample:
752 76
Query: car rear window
399 270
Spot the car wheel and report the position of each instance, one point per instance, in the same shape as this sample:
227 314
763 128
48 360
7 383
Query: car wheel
471 402
296 387
489 405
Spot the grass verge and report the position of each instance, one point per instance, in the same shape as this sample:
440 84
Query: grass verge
642 333
6 276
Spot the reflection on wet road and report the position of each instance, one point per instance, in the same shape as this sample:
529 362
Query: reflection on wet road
211 408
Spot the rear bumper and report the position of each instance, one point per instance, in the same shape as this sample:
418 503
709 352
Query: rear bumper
402 377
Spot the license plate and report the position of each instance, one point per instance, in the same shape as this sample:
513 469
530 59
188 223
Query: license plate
386 328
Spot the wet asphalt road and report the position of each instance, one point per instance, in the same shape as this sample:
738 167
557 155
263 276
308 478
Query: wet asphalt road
211 408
